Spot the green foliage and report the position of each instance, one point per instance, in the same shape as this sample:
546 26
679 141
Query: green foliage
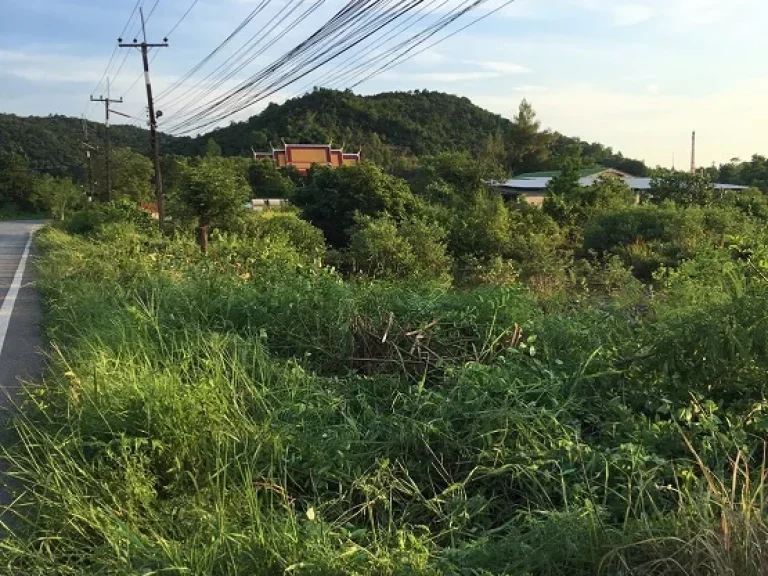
17 182
267 181
480 226
753 172
53 144
563 201
260 226
89 220
648 237
529 147
214 191
414 250
247 413
132 175
333 197
212 148
682 188
392 128
57 195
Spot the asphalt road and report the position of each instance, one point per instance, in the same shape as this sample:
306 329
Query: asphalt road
21 356
20 316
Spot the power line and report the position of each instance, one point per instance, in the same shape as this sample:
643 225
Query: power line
140 76
241 59
194 3
139 29
338 73
174 86
443 39
360 23
308 51
168 35
112 57
266 84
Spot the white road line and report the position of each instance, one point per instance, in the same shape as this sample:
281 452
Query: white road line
10 298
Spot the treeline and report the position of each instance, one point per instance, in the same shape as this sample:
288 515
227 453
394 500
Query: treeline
392 129
440 223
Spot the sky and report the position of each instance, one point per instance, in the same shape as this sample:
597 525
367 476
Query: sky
636 75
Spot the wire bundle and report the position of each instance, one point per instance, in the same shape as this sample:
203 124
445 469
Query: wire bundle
375 35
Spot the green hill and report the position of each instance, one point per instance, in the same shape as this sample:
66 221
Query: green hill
394 124
53 144
387 127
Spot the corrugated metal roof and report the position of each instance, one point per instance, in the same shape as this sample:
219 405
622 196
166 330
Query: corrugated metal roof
584 173
541 183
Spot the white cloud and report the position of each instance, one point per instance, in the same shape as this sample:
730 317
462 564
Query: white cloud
499 67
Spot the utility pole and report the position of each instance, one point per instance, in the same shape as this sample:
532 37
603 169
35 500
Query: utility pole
88 166
107 101
144 46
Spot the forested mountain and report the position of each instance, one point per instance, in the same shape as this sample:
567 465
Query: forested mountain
54 144
389 128
394 125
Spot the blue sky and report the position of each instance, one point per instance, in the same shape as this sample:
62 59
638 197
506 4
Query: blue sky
637 75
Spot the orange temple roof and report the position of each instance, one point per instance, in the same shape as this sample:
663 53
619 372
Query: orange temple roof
304 156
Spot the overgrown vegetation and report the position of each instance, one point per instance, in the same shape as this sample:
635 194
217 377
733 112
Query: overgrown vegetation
403 373
455 384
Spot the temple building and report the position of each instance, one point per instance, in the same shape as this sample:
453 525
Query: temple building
303 156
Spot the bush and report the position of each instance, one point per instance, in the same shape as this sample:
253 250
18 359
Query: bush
87 221
258 226
333 197
414 250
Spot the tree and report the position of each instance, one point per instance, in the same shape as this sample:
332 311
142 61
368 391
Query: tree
562 202
332 198
212 148
213 190
268 182
132 176
57 195
480 226
681 188
607 193
529 147
17 182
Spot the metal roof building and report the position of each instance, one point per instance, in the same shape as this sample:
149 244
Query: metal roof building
533 185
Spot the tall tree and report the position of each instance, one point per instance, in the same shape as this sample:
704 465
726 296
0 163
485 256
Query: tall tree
333 197
213 190
529 147
57 195
17 182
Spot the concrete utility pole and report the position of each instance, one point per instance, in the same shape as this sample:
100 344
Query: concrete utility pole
693 154
88 167
107 157
144 46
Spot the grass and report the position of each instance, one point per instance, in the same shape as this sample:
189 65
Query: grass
253 413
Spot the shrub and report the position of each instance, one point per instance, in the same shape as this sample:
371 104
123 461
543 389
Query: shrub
88 220
414 250
333 197
258 226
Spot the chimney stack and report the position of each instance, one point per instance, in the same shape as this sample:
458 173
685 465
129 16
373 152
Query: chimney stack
693 154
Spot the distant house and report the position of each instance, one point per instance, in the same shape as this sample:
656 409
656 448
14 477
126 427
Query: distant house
262 204
532 186
303 156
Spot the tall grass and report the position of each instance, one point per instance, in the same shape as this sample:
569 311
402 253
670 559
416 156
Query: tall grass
250 412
